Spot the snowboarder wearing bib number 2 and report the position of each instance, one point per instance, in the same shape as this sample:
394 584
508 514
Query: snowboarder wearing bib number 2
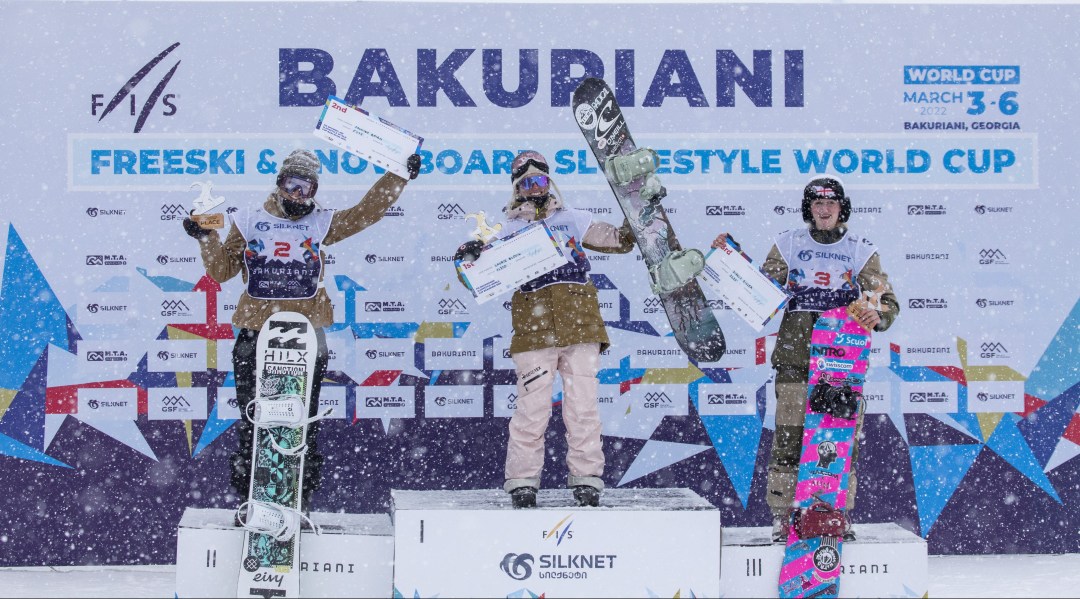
277 248
557 328
825 266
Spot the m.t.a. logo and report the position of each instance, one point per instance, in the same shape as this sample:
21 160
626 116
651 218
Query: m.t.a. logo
127 91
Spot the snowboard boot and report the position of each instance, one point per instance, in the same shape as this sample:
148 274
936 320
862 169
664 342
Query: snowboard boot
849 533
587 496
779 530
523 497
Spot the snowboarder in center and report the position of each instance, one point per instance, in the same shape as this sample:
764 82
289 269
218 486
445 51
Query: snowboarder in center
291 228
824 266
557 328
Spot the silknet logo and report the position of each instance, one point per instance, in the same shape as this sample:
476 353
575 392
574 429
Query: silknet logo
518 566
148 94
782 210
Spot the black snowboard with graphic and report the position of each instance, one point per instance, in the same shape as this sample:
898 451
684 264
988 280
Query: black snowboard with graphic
602 123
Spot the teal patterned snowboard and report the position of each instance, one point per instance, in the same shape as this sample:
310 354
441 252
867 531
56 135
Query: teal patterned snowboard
285 352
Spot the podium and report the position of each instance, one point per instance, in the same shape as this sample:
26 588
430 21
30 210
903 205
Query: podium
885 561
353 557
638 543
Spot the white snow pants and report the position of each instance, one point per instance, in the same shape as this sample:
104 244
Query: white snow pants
578 365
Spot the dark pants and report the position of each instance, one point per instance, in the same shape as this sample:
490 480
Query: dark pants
244 371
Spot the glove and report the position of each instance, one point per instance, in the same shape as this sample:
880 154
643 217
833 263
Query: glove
413 164
469 251
193 229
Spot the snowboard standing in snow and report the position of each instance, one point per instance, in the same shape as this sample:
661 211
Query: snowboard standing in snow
270 564
839 355
629 172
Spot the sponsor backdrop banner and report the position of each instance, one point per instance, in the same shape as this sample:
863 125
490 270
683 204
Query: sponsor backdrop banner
950 126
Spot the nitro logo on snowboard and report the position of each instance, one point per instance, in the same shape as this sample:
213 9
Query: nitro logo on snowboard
127 91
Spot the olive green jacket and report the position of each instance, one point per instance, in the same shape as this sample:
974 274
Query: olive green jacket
793 338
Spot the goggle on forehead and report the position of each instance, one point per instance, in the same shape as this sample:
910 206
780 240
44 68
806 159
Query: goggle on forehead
293 184
523 168
533 181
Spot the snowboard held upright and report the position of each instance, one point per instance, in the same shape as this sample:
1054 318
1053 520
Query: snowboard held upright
270 563
630 173
839 356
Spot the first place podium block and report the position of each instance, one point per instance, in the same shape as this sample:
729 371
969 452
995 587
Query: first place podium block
638 543
885 561
353 557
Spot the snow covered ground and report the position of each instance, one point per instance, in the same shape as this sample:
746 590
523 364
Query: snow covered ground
950 576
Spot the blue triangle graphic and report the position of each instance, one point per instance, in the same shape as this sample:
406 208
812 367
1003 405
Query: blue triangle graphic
938 470
1008 442
24 420
734 438
1043 429
1059 367
213 429
29 312
13 448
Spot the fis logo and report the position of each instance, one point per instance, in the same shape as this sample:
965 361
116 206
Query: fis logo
561 531
127 91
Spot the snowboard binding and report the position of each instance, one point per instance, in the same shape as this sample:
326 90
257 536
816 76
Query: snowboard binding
624 169
675 270
278 521
282 411
840 402
819 520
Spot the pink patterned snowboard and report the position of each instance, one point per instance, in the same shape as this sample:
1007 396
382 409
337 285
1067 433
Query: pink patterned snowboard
839 353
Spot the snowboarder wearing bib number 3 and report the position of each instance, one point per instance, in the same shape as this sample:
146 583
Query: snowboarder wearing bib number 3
825 266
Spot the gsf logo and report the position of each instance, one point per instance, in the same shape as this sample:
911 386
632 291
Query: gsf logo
448 211
127 91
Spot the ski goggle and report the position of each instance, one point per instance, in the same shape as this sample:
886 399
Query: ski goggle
293 184
522 168
533 181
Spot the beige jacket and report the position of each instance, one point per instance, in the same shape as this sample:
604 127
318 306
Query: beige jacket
224 260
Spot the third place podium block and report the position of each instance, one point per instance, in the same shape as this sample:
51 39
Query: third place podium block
638 543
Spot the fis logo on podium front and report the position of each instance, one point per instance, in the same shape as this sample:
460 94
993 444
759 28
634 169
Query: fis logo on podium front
561 531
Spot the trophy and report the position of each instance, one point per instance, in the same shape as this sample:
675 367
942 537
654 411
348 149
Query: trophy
205 203
483 232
